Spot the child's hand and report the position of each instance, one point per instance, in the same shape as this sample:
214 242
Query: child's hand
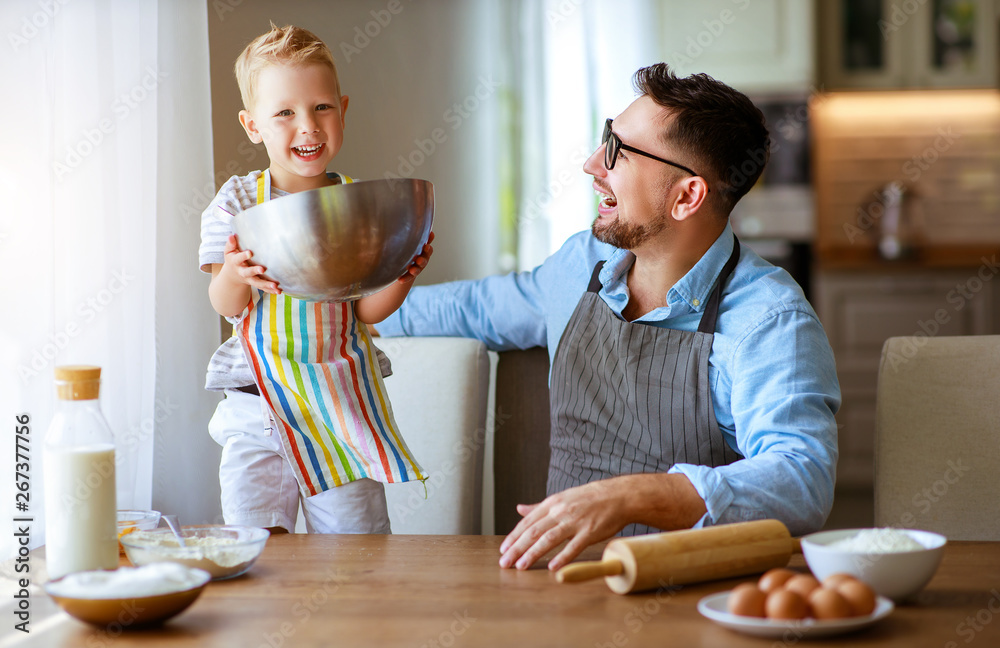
237 264
419 262
372 309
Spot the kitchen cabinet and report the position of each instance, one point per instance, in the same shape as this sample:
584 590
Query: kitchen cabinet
942 146
881 44
763 46
861 309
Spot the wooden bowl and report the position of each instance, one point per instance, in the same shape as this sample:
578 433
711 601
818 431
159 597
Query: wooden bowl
129 611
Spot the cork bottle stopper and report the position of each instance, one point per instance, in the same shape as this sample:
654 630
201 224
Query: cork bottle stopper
78 382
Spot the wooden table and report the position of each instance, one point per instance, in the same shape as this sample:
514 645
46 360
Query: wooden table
416 591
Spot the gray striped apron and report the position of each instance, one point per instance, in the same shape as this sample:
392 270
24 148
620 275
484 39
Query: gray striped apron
630 398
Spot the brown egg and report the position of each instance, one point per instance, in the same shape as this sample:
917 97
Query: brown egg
747 600
828 604
859 596
804 584
833 580
785 604
774 578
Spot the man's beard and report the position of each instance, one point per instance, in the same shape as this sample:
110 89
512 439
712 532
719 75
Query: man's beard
627 236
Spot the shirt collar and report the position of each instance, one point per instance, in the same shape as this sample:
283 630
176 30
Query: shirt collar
696 286
693 289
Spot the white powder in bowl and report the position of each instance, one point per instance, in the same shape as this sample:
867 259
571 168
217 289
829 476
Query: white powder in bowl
873 541
128 582
219 556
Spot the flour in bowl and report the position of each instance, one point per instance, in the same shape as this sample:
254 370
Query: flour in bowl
225 552
219 556
873 541
128 582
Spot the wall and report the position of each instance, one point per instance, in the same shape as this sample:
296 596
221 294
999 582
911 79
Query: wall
409 68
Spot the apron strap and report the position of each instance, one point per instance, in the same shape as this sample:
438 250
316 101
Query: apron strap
264 187
264 183
263 194
595 281
711 314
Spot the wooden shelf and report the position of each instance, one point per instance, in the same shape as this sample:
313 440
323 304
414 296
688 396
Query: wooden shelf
865 258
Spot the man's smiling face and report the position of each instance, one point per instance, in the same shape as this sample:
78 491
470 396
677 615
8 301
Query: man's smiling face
635 194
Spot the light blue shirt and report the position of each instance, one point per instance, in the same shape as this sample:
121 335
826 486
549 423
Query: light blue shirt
771 370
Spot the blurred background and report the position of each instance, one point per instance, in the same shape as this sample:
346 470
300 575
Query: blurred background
881 197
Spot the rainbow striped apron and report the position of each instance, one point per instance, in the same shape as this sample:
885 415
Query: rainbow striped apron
317 370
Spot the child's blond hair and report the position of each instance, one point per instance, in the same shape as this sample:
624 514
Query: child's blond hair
288 45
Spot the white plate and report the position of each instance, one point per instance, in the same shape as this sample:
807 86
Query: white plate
714 607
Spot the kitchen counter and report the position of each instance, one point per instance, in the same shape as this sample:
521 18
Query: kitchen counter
930 258
313 590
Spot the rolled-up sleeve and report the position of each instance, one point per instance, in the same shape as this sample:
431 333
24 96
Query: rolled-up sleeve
783 394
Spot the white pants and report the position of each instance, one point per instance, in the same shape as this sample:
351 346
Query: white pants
260 489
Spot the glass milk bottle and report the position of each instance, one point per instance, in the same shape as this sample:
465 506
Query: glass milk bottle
80 518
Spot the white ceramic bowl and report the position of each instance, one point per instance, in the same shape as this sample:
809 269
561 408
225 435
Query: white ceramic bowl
224 551
897 575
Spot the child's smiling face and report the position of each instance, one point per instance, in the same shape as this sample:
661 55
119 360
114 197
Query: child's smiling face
299 116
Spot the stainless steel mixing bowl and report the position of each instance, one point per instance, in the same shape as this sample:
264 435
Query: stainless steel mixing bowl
341 242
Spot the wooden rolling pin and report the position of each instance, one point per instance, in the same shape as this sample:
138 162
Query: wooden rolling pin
691 556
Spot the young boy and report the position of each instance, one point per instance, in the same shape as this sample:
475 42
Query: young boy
318 426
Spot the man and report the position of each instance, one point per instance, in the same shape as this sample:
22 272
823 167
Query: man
691 382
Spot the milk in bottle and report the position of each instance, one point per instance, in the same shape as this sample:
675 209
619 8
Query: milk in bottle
79 456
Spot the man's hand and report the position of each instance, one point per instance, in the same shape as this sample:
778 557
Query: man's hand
596 511
582 515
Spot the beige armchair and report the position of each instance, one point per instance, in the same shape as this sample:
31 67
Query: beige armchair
439 394
937 443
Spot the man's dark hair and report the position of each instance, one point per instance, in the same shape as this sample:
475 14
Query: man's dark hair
718 126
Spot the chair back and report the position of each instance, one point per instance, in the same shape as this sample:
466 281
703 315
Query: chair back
937 440
439 389
521 447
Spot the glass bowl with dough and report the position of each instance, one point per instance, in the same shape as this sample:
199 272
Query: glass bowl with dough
224 551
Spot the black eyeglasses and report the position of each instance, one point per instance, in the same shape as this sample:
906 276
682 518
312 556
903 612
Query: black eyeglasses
615 144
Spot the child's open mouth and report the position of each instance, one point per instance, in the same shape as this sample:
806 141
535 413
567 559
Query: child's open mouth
308 153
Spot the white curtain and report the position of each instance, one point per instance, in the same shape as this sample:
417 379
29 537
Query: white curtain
576 59
107 132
